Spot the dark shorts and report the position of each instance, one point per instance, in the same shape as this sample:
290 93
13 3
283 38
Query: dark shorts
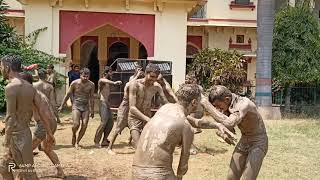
40 131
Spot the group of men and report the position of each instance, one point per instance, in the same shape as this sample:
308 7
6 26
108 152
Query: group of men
153 137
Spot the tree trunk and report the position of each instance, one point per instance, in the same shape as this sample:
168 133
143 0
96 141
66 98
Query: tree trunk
264 52
287 100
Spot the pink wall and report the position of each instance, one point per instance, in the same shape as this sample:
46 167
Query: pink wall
77 23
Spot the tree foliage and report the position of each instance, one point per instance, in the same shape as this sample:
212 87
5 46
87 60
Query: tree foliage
11 42
296 47
216 66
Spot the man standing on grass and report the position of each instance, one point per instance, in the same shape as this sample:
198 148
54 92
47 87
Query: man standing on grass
239 111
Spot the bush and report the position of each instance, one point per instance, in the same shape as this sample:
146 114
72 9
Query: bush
216 66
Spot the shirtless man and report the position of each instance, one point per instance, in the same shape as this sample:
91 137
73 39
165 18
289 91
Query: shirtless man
52 79
250 151
106 124
123 110
141 92
21 97
39 135
82 91
167 129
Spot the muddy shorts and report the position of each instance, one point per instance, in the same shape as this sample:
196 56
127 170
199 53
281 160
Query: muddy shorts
135 123
40 131
152 173
247 144
20 154
122 115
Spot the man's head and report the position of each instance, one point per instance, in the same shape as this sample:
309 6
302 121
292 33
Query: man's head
10 63
42 74
190 79
50 68
107 73
220 97
26 76
84 74
189 96
152 73
76 68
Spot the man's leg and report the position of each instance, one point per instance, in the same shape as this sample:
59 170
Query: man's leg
237 164
54 158
85 120
135 134
253 164
103 123
108 128
4 169
76 115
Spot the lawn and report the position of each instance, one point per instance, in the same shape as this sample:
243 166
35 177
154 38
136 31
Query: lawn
293 154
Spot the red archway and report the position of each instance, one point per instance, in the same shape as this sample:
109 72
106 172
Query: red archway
76 23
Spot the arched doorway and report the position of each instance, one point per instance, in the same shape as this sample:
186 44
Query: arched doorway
191 51
143 54
89 59
115 51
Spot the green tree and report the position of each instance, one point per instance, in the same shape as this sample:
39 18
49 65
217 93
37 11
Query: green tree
296 48
216 66
11 42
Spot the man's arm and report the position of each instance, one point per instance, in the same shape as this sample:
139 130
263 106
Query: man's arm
43 108
170 91
11 117
187 139
161 94
92 101
68 94
231 121
104 80
133 101
52 99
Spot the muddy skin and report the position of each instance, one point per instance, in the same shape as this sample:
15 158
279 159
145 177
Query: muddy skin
106 124
21 98
250 151
122 118
82 91
167 90
141 92
52 79
45 90
166 130
123 111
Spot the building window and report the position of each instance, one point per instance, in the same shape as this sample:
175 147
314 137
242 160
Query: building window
240 39
242 2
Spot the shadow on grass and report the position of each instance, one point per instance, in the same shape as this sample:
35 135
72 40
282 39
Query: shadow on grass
210 151
63 146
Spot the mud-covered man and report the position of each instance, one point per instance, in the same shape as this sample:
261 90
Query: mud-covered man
82 91
167 129
52 79
141 92
39 136
106 124
123 110
21 97
239 111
